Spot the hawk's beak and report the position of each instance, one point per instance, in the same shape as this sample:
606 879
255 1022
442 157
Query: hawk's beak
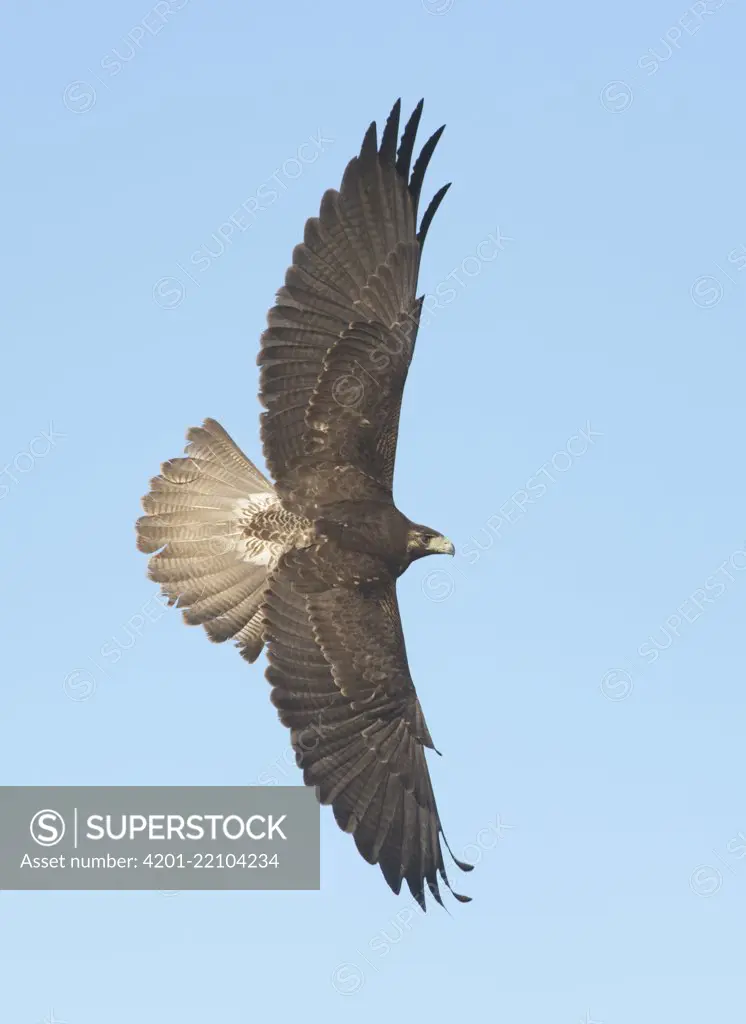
441 546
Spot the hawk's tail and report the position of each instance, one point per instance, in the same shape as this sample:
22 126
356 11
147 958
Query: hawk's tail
198 520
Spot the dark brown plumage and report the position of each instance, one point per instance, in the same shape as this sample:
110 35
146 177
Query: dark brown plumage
309 566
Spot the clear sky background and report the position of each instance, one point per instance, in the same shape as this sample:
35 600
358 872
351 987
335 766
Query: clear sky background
581 661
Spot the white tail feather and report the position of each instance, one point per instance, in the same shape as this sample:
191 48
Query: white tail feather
198 529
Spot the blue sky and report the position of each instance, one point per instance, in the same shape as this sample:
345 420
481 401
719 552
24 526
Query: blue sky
580 662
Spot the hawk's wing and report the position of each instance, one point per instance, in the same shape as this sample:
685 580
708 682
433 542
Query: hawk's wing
338 667
352 285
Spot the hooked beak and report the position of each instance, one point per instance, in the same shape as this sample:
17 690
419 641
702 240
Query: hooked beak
440 546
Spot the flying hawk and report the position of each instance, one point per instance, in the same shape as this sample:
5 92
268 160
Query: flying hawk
309 566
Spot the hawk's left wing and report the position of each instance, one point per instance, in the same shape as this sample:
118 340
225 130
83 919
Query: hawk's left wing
352 283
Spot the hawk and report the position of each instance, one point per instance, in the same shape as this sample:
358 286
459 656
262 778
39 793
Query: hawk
308 565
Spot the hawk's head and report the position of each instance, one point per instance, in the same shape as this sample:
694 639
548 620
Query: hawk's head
421 541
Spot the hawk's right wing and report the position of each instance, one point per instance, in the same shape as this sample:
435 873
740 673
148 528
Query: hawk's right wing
341 683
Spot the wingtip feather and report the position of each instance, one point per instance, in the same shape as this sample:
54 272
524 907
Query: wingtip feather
387 152
404 157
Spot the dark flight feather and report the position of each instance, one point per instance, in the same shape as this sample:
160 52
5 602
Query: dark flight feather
404 157
390 135
430 213
418 174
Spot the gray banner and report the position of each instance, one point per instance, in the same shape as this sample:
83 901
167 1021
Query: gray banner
159 837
